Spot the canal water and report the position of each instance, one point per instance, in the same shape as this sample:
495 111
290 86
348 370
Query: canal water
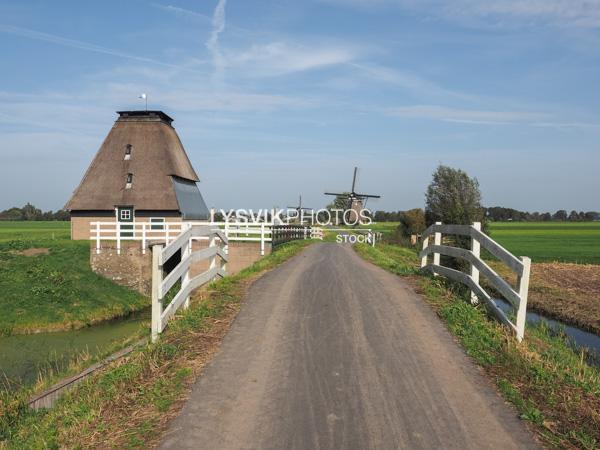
23 357
579 337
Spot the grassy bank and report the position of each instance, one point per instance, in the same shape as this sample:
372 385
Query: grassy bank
129 403
48 285
549 384
575 242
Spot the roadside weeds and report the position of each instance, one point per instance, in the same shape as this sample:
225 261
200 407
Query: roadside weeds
549 383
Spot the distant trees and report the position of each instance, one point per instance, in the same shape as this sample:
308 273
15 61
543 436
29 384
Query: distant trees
412 222
30 212
561 214
384 216
500 214
453 197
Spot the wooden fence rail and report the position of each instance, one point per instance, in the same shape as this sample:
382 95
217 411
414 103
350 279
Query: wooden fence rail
164 232
521 266
162 284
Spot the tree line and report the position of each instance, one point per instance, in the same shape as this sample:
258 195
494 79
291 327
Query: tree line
501 214
30 212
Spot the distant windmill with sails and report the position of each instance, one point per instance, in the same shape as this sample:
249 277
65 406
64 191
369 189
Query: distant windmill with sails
356 202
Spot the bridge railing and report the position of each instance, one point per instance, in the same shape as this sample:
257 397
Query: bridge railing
517 297
165 232
286 233
162 284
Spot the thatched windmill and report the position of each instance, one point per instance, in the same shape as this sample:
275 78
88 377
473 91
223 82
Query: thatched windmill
140 173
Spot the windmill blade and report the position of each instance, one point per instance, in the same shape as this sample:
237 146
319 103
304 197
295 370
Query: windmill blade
368 196
344 194
354 178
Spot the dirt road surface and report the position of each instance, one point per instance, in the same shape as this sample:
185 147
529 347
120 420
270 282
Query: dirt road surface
331 352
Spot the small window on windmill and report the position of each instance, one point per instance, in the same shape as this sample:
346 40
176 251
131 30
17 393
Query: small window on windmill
129 181
157 223
128 152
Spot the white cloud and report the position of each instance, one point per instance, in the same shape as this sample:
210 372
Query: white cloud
443 113
406 80
182 12
576 13
280 58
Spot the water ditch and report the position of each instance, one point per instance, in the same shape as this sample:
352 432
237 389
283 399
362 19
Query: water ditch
578 337
24 357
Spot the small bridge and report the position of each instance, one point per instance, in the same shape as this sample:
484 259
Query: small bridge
203 249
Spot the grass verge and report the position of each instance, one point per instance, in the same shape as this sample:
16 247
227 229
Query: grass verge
129 403
543 377
48 285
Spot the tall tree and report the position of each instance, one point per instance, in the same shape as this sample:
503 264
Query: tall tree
453 198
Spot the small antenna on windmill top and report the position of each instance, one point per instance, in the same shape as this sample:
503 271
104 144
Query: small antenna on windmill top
144 97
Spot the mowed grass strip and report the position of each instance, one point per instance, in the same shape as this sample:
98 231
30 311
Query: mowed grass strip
576 242
549 383
129 403
47 284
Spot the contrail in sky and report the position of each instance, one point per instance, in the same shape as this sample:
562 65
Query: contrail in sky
218 25
54 39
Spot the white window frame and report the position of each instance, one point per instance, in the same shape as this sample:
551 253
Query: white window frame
122 213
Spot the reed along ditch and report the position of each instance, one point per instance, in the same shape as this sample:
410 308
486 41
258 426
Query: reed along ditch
578 337
24 357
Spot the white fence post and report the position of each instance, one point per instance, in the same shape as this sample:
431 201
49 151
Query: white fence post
523 286
212 261
437 240
143 238
476 249
97 238
424 257
157 278
118 238
185 279
262 239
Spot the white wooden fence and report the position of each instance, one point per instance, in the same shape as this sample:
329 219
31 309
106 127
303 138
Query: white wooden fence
521 266
147 232
162 284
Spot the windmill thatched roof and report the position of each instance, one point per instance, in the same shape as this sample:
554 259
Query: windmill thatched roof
157 159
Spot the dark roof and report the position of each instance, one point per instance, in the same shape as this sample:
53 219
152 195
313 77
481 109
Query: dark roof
144 115
189 198
156 155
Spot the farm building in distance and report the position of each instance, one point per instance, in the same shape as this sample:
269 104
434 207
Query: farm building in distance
141 173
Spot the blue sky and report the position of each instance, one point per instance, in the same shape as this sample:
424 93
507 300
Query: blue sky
276 98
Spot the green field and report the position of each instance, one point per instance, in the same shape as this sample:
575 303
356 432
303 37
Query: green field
577 242
34 230
54 287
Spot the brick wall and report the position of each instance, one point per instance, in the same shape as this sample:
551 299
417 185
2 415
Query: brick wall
133 269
